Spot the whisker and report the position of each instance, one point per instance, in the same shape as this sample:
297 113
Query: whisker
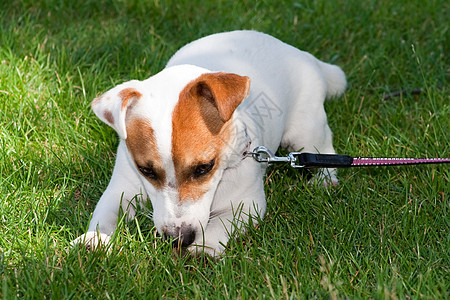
215 213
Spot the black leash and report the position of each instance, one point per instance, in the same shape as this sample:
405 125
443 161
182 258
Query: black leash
311 160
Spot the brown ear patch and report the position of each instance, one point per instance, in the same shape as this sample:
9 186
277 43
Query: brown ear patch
224 90
108 116
128 94
141 143
201 127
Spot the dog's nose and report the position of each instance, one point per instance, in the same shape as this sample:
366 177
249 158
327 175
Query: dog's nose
184 236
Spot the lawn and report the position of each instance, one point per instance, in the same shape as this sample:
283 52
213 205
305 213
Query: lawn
382 233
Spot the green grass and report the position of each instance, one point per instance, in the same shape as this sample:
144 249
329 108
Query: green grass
382 233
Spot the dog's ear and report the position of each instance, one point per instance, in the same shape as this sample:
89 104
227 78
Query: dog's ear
224 90
112 106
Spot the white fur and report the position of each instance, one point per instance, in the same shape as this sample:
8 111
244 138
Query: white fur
284 107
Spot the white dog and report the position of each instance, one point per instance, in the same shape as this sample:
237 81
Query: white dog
184 134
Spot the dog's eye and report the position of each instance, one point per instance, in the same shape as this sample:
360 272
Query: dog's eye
148 172
203 169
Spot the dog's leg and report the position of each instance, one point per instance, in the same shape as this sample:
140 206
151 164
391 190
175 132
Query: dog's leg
122 189
232 208
312 135
307 129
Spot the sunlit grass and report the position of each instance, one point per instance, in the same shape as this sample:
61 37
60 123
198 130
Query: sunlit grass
382 233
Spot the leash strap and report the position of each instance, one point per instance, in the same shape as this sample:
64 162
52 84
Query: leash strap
312 160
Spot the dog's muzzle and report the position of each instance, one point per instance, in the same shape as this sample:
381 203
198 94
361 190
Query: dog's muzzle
183 235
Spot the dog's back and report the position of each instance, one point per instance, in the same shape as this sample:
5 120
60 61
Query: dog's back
257 55
286 83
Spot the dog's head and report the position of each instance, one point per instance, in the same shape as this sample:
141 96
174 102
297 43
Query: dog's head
179 132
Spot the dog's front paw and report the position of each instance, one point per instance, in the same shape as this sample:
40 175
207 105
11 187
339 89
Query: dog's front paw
198 250
92 240
214 248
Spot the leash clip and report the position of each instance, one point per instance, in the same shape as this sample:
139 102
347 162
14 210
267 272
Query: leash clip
301 159
263 155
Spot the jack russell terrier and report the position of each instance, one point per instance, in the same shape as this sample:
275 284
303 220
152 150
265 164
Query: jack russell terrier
185 132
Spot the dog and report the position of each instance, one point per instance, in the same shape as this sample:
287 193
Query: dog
186 131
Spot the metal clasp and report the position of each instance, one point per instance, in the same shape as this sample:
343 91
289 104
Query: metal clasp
294 160
263 155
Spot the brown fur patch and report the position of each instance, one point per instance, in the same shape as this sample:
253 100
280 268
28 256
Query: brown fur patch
141 143
109 116
224 90
127 94
201 128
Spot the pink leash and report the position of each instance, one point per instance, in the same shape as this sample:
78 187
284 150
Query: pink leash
363 161
312 160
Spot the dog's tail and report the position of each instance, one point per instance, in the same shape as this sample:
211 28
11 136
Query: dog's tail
335 78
